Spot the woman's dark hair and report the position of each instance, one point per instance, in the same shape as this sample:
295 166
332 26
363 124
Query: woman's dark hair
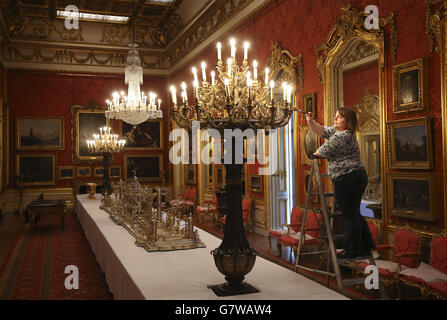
351 118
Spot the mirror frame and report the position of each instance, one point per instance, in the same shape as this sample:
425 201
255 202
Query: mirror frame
348 30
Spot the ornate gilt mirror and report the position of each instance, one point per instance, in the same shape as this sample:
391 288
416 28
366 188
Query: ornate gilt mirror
352 69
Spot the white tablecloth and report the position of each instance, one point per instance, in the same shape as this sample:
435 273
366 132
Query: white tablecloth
133 273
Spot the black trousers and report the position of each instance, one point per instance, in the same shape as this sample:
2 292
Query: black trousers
348 190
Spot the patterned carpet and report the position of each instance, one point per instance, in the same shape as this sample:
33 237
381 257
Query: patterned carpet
35 268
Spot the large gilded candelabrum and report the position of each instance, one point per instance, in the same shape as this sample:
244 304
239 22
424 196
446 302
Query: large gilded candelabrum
233 98
108 143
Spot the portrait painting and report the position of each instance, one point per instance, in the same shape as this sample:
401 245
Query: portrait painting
85 123
410 86
144 167
309 143
410 141
65 172
309 103
40 133
36 169
412 195
146 136
256 183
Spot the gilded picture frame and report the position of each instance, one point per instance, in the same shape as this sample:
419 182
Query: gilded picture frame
410 86
85 121
40 133
410 143
309 143
65 172
146 167
412 195
146 136
115 172
309 103
83 172
98 172
190 174
36 169
256 184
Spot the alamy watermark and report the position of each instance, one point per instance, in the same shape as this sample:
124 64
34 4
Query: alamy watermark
72 280
256 149
72 20
372 20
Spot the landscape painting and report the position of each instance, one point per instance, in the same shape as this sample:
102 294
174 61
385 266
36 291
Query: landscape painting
40 133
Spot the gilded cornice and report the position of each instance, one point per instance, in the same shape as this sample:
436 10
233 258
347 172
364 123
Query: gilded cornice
350 24
436 11
204 28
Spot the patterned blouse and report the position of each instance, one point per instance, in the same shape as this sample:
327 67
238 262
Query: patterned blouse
341 150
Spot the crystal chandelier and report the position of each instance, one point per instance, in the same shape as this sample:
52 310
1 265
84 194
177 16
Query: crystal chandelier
234 98
136 107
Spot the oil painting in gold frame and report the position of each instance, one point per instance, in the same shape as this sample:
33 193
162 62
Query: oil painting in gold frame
410 86
412 195
36 169
410 143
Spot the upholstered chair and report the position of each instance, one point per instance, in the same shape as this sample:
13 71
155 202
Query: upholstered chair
430 279
292 228
405 254
209 209
312 226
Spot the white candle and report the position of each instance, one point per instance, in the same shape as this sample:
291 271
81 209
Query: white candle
233 48
174 96
272 86
246 46
219 51
184 95
226 82
229 67
194 71
255 70
213 81
159 103
284 87
204 71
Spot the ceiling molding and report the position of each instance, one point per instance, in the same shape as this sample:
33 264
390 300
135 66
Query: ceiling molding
227 27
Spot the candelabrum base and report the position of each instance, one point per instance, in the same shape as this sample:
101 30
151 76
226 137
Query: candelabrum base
226 290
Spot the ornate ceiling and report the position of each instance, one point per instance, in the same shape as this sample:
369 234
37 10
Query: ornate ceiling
34 36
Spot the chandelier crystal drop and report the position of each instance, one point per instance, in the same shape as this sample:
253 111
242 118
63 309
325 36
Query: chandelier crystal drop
136 107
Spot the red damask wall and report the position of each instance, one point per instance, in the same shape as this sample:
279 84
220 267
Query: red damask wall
299 25
53 94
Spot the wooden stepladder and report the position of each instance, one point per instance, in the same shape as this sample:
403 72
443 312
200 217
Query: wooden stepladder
326 232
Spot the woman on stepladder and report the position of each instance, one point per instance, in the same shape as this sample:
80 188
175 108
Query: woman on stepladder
348 176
